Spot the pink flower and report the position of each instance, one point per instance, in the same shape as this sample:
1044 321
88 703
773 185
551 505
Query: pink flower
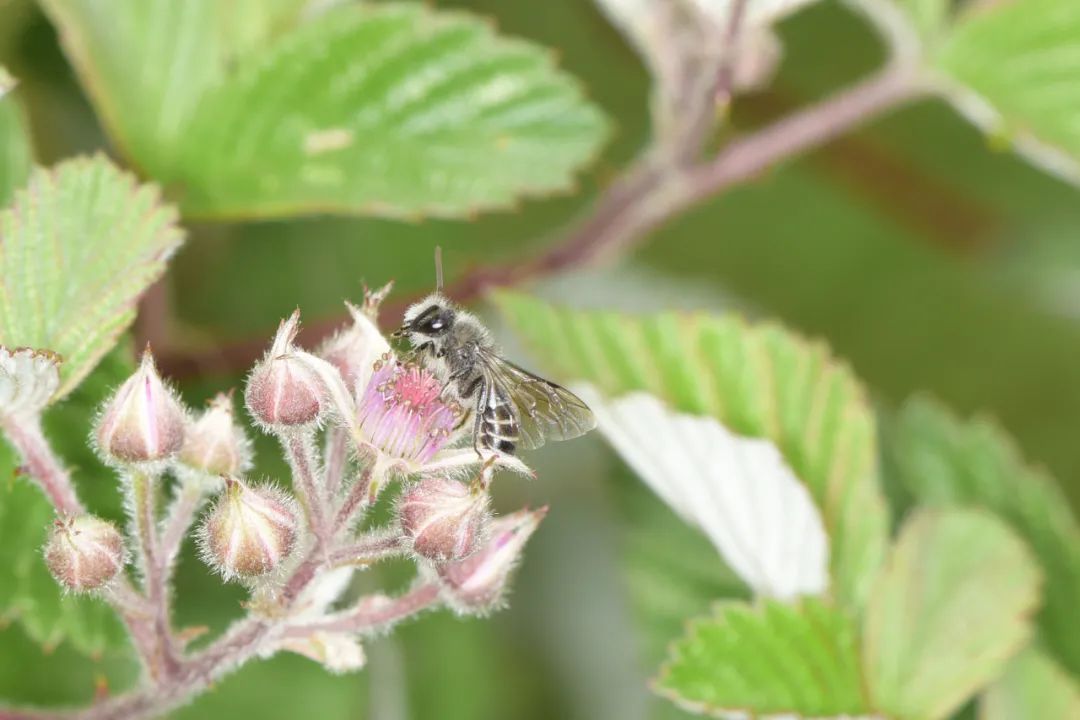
402 414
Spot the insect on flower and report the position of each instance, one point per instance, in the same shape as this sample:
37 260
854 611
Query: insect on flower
513 407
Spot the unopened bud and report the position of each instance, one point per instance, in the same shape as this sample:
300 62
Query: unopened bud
249 531
214 443
84 553
283 389
475 585
445 519
356 347
143 422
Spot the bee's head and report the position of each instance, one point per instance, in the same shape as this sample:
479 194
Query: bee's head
427 320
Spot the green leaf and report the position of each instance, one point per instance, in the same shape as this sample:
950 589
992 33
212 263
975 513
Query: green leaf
930 17
28 593
672 572
1033 686
759 381
147 63
15 152
950 608
946 462
387 109
1020 60
77 248
775 658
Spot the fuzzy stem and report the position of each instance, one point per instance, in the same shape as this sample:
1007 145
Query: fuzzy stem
337 460
181 514
368 548
152 564
299 448
373 613
725 77
40 463
356 500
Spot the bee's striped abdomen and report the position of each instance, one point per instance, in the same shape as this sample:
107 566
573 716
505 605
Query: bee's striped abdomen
498 427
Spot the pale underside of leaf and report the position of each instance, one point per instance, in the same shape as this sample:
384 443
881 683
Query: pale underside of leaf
758 382
952 605
77 247
738 491
769 661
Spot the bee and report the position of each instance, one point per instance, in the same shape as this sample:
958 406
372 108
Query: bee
513 407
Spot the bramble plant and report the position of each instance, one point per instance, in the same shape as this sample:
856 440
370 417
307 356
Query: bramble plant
764 446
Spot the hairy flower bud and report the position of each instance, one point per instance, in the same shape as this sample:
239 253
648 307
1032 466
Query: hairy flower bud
84 553
282 389
143 422
249 531
475 585
215 444
445 519
355 348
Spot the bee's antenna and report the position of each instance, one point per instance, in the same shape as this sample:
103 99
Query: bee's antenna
438 269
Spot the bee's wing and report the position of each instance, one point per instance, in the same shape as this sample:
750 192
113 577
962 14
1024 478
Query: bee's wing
543 409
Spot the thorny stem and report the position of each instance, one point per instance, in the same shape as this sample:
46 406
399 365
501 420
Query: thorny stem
39 462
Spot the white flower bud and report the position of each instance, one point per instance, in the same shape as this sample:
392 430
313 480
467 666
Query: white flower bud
143 422
249 531
475 585
214 443
356 347
445 519
84 553
283 390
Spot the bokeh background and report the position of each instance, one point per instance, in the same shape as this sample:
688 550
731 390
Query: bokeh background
931 260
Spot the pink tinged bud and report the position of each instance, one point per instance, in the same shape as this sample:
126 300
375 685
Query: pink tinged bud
249 531
355 348
84 553
143 422
282 389
445 519
402 414
214 443
475 585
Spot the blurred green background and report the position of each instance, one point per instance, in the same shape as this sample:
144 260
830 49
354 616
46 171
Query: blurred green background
928 259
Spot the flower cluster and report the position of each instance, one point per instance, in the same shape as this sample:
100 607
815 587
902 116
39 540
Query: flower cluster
353 419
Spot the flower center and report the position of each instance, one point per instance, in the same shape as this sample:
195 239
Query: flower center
402 412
